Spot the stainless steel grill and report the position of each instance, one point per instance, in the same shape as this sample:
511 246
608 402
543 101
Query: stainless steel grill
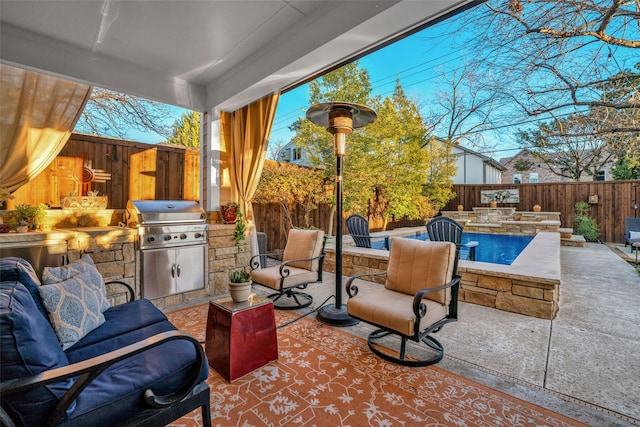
172 244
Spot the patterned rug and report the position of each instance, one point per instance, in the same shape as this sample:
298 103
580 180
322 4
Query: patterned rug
327 377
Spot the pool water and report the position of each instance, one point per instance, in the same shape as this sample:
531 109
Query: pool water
493 248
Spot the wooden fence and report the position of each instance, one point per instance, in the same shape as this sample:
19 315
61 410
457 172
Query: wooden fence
121 170
615 201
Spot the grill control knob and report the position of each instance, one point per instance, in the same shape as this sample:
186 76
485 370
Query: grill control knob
151 239
167 237
198 235
183 236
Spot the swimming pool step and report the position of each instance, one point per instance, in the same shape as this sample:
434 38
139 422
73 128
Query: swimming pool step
574 240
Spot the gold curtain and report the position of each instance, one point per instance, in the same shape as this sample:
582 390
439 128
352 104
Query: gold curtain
37 115
250 130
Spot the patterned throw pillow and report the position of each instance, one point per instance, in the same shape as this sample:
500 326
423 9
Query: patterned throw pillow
52 275
74 308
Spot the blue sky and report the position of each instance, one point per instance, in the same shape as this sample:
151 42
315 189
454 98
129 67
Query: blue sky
416 60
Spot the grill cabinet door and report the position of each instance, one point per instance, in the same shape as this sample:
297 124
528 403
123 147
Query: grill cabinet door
156 274
190 268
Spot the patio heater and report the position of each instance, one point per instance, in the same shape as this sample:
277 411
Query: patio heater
340 119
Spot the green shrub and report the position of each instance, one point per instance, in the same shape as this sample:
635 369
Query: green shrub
584 224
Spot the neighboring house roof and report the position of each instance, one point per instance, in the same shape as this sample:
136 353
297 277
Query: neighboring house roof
490 160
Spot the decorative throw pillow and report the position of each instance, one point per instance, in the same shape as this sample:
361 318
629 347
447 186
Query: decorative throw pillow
74 308
51 275
634 235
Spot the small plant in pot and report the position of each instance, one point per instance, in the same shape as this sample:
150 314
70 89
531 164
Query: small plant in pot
27 216
239 285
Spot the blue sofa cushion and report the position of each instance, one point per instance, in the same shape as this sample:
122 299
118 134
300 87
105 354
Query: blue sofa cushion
74 307
120 321
116 394
14 269
28 347
52 275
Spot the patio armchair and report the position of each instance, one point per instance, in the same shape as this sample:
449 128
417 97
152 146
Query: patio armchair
419 297
301 265
358 227
443 229
631 232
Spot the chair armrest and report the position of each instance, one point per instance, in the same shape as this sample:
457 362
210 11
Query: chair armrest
88 370
284 270
128 288
420 308
254 261
352 290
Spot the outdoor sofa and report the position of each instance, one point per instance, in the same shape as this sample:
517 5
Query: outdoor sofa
134 368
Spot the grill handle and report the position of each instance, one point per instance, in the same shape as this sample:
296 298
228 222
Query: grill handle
173 270
178 270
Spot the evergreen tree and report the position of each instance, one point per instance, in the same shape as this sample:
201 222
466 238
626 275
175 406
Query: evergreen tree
186 131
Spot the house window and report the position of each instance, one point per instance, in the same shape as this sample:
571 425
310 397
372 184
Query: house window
533 178
297 153
517 178
600 175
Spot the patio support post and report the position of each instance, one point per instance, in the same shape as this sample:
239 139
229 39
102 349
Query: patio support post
340 119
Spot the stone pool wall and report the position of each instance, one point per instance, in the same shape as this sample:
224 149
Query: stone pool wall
529 286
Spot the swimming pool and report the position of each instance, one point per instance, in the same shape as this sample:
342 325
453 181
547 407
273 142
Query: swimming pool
493 248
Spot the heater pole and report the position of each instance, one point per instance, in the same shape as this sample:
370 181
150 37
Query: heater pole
339 118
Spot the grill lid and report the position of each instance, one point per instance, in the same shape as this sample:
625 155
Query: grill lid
151 212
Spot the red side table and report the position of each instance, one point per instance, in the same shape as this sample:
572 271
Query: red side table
241 337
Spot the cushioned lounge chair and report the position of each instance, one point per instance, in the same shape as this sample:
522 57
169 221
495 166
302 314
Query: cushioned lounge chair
301 265
419 297
358 227
631 232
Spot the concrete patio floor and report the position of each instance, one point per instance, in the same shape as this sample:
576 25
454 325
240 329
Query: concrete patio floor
585 363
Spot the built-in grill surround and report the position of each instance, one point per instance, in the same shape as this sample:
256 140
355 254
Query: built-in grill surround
172 245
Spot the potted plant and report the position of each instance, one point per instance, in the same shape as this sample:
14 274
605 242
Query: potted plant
5 196
28 216
537 208
229 212
239 285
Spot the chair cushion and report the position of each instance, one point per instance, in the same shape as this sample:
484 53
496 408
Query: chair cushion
74 307
416 265
19 270
271 278
51 275
116 394
29 347
634 235
304 244
393 310
120 321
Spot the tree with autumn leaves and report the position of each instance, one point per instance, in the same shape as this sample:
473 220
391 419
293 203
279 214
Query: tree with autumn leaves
386 167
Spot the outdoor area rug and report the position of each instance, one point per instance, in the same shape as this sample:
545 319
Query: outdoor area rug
327 377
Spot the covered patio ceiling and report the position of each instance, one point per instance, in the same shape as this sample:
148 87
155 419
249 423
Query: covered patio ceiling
203 55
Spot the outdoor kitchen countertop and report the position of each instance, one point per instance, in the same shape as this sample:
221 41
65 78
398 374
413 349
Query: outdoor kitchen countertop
63 234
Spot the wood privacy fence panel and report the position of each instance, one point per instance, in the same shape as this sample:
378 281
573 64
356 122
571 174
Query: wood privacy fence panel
270 218
137 171
615 201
